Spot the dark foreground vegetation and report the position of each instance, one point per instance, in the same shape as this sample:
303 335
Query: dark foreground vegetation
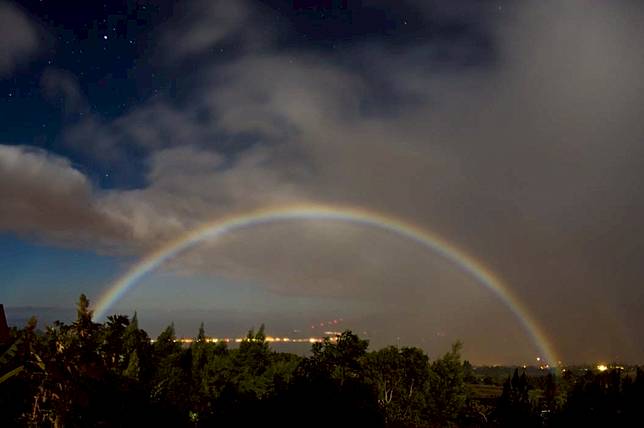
104 375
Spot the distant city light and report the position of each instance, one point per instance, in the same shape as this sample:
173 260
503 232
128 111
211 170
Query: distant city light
333 337
602 367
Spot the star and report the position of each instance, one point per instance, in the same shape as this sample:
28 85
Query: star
105 37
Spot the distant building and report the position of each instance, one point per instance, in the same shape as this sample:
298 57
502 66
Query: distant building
4 328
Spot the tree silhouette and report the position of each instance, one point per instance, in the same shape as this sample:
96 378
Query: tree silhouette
110 374
446 388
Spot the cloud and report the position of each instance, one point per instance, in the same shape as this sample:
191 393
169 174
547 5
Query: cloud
44 197
528 159
62 86
19 38
520 138
150 127
201 25
188 185
278 95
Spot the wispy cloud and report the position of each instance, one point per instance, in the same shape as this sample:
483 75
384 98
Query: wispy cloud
19 39
62 87
200 27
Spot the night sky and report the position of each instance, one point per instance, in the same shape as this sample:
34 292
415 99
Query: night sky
513 130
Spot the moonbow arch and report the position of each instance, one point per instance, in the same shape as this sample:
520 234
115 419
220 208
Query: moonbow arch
429 240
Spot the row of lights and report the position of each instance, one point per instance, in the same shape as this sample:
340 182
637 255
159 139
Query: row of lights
270 339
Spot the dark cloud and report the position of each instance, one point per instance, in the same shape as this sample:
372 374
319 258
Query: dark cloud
61 87
529 161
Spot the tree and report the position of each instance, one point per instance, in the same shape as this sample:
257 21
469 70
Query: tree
171 378
341 360
334 377
550 392
20 365
468 372
514 407
446 388
136 351
83 313
166 343
201 334
112 346
399 377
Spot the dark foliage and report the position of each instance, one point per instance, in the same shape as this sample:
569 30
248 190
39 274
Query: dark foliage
113 375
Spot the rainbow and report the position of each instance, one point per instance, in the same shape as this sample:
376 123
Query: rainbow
431 241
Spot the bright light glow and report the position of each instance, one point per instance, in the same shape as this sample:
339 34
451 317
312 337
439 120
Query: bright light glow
602 367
